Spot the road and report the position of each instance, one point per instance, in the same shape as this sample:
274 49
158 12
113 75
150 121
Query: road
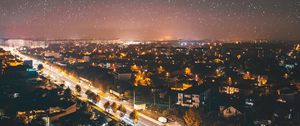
58 75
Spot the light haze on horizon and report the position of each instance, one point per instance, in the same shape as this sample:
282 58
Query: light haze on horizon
150 19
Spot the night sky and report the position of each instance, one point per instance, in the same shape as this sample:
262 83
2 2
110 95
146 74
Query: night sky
150 19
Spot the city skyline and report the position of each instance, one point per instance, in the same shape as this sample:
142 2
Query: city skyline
155 20
150 62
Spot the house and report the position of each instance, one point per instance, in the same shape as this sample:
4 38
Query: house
52 54
49 58
28 63
229 111
86 58
54 115
122 73
193 96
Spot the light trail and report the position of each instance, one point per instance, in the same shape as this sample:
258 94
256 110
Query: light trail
52 71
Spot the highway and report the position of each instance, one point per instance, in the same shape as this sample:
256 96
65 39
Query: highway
59 76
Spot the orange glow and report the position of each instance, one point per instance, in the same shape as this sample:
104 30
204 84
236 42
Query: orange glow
14 63
262 80
123 55
160 69
297 47
165 38
238 56
184 87
231 90
188 71
134 68
87 53
141 79
218 61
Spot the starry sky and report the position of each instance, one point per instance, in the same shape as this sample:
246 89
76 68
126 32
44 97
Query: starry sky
150 19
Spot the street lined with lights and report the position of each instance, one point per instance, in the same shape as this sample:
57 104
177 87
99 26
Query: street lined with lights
57 75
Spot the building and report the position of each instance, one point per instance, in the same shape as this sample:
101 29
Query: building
229 111
2 42
54 115
52 54
50 115
49 58
287 94
194 96
15 42
122 74
86 58
1 68
28 63
188 100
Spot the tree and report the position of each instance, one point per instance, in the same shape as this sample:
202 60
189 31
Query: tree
187 71
134 116
92 96
166 112
38 122
106 105
68 93
134 68
78 88
191 117
88 92
114 107
114 123
86 108
122 110
157 80
160 70
62 86
141 79
127 94
40 67
96 98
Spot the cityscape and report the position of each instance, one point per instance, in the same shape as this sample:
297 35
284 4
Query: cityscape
149 63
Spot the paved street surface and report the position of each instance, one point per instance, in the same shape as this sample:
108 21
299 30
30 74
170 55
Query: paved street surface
59 76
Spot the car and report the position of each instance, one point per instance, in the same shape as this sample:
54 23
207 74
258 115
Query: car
162 119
